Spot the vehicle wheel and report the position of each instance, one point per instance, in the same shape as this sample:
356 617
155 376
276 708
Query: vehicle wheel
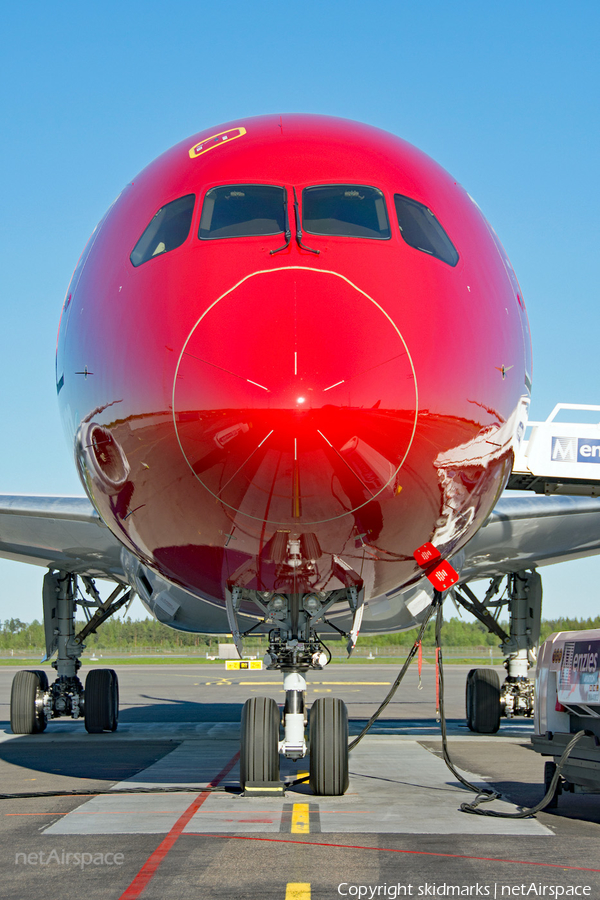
259 750
101 701
483 701
328 745
549 770
26 711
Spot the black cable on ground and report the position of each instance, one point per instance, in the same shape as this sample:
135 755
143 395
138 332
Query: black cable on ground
486 796
439 621
114 792
391 692
401 674
532 810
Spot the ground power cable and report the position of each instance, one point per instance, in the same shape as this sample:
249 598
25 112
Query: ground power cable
483 795
90 792
411 655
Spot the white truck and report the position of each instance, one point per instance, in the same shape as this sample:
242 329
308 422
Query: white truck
568 701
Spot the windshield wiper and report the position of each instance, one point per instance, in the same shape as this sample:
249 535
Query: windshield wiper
299 228
287 232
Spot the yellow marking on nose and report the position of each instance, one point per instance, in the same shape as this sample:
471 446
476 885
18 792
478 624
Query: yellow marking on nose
297 891
300 819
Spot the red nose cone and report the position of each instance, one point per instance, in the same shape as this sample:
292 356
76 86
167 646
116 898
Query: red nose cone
295 398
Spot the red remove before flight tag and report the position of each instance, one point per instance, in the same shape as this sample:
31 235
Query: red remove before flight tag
426 555
443 576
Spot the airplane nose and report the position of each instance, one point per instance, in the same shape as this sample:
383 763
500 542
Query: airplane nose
295 398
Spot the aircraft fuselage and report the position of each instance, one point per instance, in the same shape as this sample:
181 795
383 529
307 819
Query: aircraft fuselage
272 419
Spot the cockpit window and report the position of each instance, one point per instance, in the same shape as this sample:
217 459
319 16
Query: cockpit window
421 230
238 210
168 229
351 210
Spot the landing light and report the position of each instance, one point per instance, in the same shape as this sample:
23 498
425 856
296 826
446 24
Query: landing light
311 603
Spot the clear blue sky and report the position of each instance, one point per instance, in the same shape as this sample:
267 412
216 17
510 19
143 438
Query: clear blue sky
504 96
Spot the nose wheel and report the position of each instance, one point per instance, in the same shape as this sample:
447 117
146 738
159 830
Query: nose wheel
328 745
259 750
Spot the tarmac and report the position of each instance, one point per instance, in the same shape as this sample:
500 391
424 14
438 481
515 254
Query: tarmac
398 831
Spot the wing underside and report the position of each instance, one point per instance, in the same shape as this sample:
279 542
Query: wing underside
60 533
523 532
529 532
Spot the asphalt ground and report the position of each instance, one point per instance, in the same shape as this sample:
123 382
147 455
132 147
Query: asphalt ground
397 832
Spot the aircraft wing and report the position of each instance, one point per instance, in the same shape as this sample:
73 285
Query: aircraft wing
522 532
62 532
527 532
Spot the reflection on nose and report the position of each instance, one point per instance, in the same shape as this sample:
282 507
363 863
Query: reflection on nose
295 398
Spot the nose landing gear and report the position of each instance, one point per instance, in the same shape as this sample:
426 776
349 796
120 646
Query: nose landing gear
295 648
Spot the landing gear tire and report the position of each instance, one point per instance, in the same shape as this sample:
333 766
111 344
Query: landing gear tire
483 701
328 744
26 709
259 750
43 678
101 701
549 770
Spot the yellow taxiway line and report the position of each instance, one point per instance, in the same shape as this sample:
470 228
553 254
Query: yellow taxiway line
300 819
297 891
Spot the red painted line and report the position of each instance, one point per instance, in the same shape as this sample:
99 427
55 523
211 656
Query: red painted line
148 870
520 862
31 814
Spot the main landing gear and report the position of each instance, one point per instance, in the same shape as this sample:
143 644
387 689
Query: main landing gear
486 699
295 648
33 701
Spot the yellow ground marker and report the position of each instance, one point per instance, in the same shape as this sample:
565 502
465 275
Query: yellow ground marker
300 819
297 891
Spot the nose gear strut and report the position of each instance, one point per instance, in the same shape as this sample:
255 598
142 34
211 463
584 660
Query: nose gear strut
296 648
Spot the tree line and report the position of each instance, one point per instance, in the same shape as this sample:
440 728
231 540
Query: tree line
148 634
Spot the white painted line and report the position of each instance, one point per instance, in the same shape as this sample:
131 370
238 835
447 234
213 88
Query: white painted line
410 730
